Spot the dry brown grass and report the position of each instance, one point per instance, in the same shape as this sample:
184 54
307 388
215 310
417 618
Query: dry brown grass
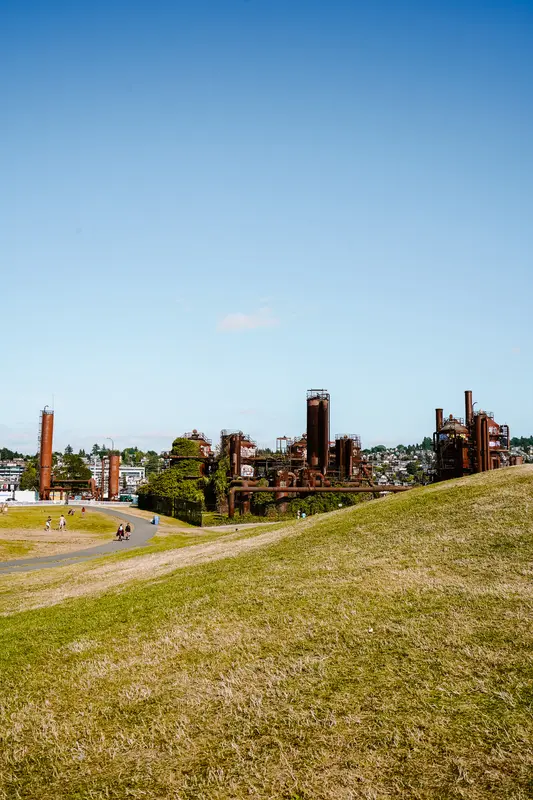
383 651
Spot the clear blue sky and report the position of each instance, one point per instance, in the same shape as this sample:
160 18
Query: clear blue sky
208 207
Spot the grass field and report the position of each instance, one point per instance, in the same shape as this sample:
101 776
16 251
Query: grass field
383 651
22 531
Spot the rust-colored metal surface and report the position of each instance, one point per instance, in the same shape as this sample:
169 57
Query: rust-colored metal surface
313 407
235 454
476 444
45 455
469 408
323 435
114 476
339 458
318 429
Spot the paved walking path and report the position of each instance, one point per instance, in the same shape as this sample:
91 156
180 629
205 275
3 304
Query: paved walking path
141 534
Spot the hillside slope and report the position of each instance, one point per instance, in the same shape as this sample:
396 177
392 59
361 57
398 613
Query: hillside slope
383 651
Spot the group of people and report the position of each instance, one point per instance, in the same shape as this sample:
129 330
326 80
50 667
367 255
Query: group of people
62 523
123 532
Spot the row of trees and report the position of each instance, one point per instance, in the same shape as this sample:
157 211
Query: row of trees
426 444
522 441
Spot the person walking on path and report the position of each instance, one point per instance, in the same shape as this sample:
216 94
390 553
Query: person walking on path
120 532
83 512
48 524
62 523
128 530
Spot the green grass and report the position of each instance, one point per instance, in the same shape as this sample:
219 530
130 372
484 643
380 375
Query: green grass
383 651
21 530
32 519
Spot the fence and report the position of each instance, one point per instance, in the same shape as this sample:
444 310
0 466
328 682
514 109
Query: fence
186 510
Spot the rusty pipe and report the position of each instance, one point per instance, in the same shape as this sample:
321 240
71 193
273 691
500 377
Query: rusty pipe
311 490
469 408
485 439
439 419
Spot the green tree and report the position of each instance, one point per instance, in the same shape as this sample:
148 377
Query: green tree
152 464
73 468
219 481
185 447
182 481
68 450
427 443
96 450
6 454
30 477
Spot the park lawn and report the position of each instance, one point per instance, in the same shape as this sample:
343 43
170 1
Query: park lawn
382 651
28 590
29 518
22 533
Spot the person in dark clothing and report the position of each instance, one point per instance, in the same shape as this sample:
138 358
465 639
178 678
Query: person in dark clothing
128 530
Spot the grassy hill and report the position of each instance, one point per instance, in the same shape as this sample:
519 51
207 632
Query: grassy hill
382 651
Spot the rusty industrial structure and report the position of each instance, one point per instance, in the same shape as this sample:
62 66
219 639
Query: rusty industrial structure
475 443
49 485
46 437
302 466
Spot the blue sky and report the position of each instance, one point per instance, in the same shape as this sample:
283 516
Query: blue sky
207 208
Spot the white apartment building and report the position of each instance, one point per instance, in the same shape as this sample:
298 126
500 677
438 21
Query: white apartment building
10 473
129 477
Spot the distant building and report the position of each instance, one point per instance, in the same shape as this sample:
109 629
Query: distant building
130 478
10 473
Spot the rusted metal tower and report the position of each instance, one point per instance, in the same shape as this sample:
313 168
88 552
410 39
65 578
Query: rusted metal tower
318 430
45 453
114 476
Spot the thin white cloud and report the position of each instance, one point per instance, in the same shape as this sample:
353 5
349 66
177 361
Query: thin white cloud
263 318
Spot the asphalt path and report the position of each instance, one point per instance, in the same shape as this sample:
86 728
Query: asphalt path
141 534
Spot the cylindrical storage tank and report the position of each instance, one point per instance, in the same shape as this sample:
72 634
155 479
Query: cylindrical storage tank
323 435
485 444
45 456
313 404
235 455
439 419
339 456
348 457
469 408
114 475
479 445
